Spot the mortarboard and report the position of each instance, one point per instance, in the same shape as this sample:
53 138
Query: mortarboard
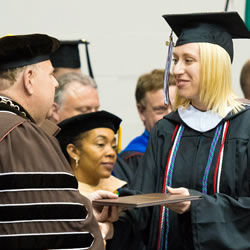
68 56
74 126
210 27
21 50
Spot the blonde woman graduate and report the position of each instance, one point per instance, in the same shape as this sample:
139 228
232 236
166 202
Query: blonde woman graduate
203 147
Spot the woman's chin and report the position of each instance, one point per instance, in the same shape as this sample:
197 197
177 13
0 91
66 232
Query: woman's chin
107 174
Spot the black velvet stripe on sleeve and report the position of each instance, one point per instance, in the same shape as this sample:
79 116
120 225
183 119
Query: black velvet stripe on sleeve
39 180
42 212
52 241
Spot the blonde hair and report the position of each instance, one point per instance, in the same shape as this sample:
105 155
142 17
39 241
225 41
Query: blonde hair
216 91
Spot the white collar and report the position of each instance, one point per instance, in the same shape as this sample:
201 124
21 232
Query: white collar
198 120
5 111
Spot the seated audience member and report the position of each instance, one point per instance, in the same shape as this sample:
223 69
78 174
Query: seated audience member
245 79
67 58
149 96
77 94
88 141
41 207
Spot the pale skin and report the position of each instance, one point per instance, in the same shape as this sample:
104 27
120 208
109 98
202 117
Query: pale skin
186 70
104 214
34 89
154 108
77 99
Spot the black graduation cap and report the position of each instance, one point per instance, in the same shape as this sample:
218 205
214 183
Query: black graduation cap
21 50
212 27
68 56
74 126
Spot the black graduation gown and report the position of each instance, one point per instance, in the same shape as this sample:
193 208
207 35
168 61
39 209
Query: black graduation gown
122 170
218 221
132 158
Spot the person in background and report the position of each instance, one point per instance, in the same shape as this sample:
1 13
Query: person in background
67 58
149 96
41 207
77 94
202 148
245 79
88 142
71 101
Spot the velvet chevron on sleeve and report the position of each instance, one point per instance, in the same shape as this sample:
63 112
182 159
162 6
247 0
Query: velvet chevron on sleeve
40 205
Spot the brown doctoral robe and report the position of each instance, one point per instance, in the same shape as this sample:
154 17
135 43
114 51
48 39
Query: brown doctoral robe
40 205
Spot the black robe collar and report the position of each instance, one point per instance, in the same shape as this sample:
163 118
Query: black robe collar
9 105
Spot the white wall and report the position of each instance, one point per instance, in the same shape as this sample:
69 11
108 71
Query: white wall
127 39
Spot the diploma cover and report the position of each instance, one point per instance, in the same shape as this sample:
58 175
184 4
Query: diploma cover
145 200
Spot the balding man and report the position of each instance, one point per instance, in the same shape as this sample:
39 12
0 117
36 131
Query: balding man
41 207
77 94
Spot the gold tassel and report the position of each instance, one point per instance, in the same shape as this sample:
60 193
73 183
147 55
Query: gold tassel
119 143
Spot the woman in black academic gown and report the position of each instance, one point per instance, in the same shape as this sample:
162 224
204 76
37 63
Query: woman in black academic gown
89 143
202 148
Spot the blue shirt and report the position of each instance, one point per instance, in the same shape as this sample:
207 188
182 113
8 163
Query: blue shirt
138 144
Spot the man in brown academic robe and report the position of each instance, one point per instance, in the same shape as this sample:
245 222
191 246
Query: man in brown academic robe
40 206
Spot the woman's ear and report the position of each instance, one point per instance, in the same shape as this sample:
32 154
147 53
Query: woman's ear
28 79
73 151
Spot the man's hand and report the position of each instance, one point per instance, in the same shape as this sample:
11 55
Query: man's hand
179 207
104 213
101 194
